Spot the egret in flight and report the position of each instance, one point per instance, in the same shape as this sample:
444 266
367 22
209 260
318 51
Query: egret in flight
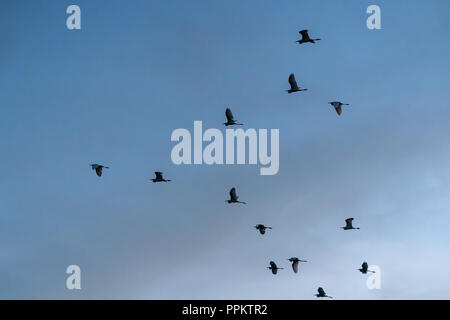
98 168
230 119
273 267
338 106
305 37
365 268
233 197
295 262
159 177
293 84
262 228
321 293
348 224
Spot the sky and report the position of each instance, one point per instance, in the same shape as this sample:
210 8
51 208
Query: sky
113 92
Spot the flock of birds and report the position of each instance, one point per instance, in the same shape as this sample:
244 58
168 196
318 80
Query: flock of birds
235 199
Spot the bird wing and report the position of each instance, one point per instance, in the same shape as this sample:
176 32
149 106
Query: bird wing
349 222
229 115
295 266
233 195
338 108
273 265
365 266
262 230
98 170
304 33
321 291
292 82
158 175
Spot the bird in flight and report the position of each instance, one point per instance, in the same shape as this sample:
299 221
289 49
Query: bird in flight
338 106
230 119
159 177
295 262
233 197
365 268
98 168
273 267
262 228
305 37
293 84
321 293
348 224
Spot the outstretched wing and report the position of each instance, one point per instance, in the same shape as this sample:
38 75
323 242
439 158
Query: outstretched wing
262 230
233 195
292 82
365 266
98 170
273 265
229 115
158 175
304 34
338 108
321 291
349 222
295 266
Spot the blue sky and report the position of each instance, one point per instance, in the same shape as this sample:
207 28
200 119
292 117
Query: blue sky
113 92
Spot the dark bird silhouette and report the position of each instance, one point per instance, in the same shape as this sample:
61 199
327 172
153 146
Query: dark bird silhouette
293 84
233 197
295 262
262 228
305 37
321 293
338 106
230 119
365 268
273 267
98 168
348 224
159 177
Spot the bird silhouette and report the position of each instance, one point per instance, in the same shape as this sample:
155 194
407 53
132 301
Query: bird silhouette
295 262
321 293
365 268
338 106
348 224
159 177
305 37
233 197
293 84
273 267
262 228
98 168
230 119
